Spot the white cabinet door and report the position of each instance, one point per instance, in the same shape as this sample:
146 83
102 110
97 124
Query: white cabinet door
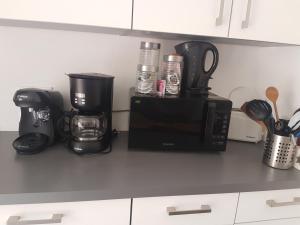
196 17
268 205
266 20
214 209
294 221
106 13
108 212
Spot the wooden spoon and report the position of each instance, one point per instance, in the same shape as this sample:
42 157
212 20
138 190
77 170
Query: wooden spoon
272 94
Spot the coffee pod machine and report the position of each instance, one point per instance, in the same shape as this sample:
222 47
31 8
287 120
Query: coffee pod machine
40 112
90 124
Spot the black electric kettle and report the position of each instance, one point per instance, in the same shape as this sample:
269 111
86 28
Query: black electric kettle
195 78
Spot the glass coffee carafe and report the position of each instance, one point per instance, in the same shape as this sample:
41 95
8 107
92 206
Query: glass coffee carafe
88 128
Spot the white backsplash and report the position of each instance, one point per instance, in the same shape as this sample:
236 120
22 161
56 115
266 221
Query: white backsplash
40 58
257 68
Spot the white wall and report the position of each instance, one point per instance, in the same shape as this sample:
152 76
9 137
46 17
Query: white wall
40 58
257 68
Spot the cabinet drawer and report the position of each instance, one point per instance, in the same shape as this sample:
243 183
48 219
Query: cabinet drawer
106 212
191 210
293 221
267 205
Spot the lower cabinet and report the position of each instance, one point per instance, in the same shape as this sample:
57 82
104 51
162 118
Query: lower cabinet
107 212
277 207
293 221
268 205
214 209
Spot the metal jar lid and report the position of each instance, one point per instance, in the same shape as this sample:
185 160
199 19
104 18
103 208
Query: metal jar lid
173 58
145 68
150 45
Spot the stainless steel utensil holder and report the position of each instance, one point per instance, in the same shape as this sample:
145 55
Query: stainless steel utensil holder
279 152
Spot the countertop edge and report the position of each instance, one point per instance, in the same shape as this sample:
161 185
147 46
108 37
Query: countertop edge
97 195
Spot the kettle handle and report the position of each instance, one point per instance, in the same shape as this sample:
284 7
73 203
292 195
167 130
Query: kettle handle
207 73
214 65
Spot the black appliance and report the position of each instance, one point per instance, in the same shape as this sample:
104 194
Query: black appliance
179 123
195 78
40 111
90 126
194 120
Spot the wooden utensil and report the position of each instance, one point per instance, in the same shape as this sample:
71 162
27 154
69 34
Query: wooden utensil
272 94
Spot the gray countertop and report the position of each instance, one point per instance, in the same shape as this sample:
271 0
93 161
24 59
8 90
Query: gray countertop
59 175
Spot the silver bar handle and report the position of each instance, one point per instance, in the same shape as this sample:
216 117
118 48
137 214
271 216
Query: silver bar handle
16 220
172 211
219 19
273 203
245 22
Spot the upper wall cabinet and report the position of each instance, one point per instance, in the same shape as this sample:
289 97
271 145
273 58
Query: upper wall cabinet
112 13
266 20
259 20
195 17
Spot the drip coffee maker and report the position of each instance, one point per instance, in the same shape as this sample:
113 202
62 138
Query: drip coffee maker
90 124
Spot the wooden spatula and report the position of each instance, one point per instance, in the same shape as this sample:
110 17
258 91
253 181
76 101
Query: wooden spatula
272 94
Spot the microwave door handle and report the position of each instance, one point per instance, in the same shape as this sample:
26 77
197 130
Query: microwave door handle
210 121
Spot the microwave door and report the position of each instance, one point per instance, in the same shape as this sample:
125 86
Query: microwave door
210 122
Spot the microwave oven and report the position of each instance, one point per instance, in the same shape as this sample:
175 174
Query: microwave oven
197 123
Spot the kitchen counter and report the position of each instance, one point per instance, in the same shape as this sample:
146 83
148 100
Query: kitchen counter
58 175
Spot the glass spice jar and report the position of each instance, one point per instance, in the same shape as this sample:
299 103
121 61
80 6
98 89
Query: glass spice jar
146 79
149 54
172 73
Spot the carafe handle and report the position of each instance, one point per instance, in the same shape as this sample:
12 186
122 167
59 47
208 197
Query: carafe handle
63 125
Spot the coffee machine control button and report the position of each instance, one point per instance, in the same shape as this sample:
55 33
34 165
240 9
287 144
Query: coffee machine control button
43 114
